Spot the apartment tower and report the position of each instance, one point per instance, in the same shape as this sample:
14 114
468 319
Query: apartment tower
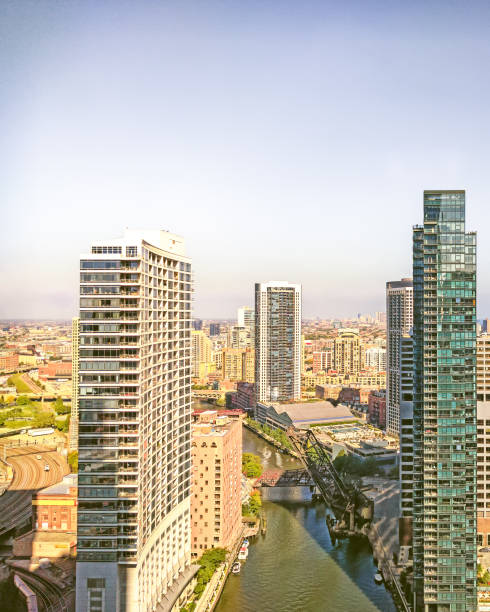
399 322
444 409
348 352
277 341
133 551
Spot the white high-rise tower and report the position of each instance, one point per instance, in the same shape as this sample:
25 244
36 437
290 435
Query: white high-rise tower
133 551
399 322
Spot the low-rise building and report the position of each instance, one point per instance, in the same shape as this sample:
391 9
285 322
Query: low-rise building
301 415
54 522
55 369
9 362
216 509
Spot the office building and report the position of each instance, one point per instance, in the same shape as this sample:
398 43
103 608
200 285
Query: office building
399 322
444 409
197 324
348 352
483 367
133 550
75 355
277 341
216 507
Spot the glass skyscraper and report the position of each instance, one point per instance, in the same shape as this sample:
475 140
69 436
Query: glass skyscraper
444 411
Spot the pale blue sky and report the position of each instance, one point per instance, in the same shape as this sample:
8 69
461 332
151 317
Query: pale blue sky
284 140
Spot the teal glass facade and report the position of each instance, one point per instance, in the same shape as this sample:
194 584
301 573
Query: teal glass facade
444 500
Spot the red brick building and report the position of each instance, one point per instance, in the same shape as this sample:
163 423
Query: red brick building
55 369
9 362
376 414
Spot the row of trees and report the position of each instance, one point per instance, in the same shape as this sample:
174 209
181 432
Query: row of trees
209 562
276 434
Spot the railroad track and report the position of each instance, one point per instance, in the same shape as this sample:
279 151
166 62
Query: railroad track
50 597
29 477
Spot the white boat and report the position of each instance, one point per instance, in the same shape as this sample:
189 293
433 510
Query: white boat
245 543
378 578
235 568
243 554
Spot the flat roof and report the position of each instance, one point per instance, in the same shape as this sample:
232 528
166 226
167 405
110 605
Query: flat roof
314 412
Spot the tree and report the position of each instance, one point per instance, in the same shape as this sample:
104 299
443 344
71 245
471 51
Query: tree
60 408
23 400
73 461
251 466
43 420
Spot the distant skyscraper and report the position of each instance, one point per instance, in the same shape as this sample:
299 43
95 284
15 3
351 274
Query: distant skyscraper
214 329
246 319
75 355
133 549
197 324
444 410
278 341
399 322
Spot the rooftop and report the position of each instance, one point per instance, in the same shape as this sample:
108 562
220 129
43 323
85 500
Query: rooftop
61 488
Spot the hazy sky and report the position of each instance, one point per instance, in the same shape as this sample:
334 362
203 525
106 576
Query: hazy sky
283 140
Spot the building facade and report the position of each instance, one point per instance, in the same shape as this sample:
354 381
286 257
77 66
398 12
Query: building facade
399 322
348 353
444 409
277 341
133 551
376 413
75 356
406 431
201 353
483 367
216 508
376 358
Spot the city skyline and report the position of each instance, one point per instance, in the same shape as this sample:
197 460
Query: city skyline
310 119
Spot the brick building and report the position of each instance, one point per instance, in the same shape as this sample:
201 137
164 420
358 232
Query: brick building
55 369
216 510
9 362
376 414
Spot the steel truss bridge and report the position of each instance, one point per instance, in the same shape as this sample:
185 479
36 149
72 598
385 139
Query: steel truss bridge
343 496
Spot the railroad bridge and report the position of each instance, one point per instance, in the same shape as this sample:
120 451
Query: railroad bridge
342 494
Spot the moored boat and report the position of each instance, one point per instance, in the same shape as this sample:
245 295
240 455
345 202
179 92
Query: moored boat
235 568
378 578
243 554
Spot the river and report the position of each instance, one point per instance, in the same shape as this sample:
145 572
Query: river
295 567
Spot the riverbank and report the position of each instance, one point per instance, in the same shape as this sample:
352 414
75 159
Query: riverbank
270 440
